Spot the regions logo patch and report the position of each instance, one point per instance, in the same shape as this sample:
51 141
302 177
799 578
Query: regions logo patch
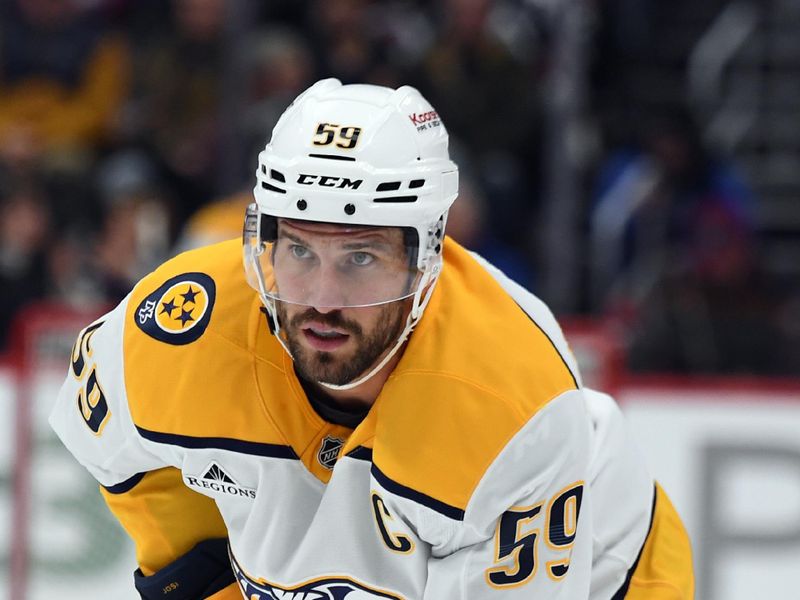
329 451
178 312
214 478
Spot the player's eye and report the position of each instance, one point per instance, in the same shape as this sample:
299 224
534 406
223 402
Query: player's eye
299 252
361 259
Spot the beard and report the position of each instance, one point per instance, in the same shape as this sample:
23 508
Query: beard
339 369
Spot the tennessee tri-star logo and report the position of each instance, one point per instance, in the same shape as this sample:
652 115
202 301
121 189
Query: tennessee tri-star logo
181 307
179 310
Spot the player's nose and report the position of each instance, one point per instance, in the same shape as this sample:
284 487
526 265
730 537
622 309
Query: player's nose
326 291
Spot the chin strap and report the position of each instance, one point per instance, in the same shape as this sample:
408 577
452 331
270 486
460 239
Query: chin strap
269 304
410 323
420 302
421 298
275 323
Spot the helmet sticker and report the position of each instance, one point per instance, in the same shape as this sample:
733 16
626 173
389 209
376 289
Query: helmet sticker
178 311
345 137
425 120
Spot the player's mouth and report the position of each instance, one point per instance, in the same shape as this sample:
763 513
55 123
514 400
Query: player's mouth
324 338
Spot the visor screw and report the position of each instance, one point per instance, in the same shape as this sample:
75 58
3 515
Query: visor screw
302 204
349 209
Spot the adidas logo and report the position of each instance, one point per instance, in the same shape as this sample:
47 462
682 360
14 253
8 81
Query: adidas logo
217 480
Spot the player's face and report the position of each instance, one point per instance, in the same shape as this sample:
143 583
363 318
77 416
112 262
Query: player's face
331 342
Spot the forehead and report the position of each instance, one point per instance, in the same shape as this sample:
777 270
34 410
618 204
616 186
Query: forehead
311 230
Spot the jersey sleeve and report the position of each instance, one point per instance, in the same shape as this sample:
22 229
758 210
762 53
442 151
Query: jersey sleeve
91 414
144 490
527 531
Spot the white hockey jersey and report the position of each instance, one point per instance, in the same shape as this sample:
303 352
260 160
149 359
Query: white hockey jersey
483 470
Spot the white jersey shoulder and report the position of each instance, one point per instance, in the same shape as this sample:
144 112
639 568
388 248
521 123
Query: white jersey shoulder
91 414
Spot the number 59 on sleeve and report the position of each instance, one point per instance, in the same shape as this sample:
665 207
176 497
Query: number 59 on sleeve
516 543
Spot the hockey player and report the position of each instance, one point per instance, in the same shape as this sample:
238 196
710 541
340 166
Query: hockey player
380 414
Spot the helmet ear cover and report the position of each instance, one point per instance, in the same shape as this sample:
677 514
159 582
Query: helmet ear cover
411 240
268 228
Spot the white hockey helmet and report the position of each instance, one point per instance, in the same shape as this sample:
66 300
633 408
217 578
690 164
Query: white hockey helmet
357 155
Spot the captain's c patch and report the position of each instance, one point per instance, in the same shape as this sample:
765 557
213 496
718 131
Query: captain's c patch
178 311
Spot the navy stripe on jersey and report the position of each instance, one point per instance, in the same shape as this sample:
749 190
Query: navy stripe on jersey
398 489
126 485
240 446
552 343
623 591
360 453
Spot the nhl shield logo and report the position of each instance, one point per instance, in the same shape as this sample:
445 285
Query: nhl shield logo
329 451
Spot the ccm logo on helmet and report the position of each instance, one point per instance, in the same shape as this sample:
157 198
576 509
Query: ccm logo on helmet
329 181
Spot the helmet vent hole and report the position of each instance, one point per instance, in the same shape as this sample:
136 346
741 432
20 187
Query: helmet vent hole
415 183
272 188
394 199
277 176
388 186
264 169
332 157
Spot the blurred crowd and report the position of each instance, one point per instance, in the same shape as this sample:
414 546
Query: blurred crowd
129 130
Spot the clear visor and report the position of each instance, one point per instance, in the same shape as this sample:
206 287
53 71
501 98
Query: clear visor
325 265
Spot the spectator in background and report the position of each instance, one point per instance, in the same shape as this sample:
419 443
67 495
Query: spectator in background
482 71
674 255
344 39
218 221
648 203
278 65
63 78
484 86
467 223
176 107
136 229
25 234
95 263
